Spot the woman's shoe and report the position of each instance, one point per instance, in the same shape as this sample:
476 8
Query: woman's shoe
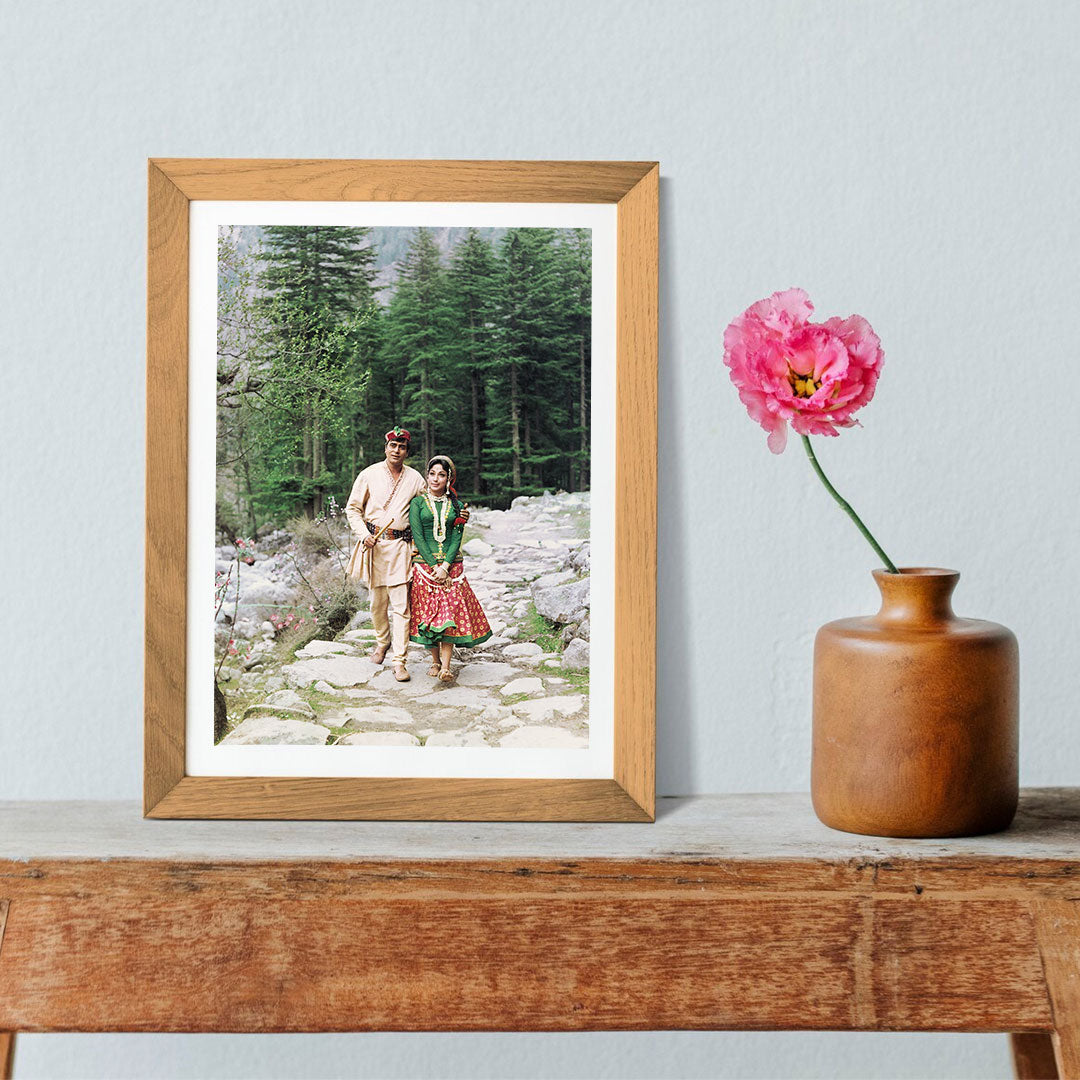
446 675
434 670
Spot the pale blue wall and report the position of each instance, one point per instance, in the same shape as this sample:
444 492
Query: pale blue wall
914 162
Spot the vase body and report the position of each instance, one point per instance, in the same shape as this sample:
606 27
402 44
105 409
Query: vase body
916 716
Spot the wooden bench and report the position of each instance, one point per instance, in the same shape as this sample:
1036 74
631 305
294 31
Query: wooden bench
730 912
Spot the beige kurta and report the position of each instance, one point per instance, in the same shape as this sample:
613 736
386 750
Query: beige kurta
392 559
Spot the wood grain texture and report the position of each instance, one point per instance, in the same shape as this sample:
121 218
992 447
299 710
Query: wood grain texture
409 181
1033 1056
168 792
702 922
1058 927
398 799
166 488
7 1054
916 715
7 1038
497 946
635 486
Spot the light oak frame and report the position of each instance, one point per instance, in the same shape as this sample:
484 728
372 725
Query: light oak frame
167 791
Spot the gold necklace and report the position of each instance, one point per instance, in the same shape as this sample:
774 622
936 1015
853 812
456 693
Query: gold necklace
435 502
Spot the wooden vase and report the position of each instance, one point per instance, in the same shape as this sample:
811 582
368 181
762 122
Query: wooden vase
915 716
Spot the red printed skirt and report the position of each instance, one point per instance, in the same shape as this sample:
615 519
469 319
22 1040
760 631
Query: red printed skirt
447 612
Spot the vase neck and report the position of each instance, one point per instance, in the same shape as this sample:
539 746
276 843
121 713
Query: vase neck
917 596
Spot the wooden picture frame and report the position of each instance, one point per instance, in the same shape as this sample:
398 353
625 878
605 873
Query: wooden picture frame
632 187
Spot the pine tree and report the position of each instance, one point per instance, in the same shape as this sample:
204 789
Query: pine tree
527 363
417 342
318 293
473 281
575 265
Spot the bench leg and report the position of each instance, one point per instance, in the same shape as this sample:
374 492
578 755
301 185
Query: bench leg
7 1053
1033 1057
1057 927
7 1038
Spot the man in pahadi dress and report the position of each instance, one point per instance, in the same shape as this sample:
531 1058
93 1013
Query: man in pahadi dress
380 498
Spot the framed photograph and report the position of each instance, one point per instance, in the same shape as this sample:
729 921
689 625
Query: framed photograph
401 490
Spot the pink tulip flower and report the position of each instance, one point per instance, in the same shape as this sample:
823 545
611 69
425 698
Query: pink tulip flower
789 370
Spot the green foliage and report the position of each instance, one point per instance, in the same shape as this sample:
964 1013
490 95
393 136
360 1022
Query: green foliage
320 537
485 356
417 341
578 680
534 627
227 519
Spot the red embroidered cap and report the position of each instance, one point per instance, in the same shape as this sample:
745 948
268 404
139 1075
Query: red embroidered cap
398 435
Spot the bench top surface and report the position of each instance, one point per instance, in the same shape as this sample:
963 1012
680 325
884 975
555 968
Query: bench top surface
741 828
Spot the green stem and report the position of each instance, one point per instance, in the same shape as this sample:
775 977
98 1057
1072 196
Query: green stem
845 506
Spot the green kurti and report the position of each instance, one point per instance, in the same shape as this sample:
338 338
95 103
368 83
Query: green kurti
447 612
422 524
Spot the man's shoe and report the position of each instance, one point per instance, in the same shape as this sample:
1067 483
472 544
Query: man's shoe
379 655
400 673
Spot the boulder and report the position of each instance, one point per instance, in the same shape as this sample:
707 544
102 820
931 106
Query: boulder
559 602
289 712
575 656
420 683
463 697
456 738
549 581
579 558
540 710
485 673
380 738
477 548
536 661
260 590
539 737
288 698
323 648
523 648
378 716
271 730
522 686
336 670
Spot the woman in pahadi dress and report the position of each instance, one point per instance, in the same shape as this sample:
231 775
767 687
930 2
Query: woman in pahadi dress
445 611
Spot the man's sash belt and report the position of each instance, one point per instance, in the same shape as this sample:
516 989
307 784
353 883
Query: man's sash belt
394 534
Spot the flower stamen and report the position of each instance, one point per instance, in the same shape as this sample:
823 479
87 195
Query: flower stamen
803 386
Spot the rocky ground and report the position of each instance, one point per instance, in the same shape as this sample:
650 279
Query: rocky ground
527 686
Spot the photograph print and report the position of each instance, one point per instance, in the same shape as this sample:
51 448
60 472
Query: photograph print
403 473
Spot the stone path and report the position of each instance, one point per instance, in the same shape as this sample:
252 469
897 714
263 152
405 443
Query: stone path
508 692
